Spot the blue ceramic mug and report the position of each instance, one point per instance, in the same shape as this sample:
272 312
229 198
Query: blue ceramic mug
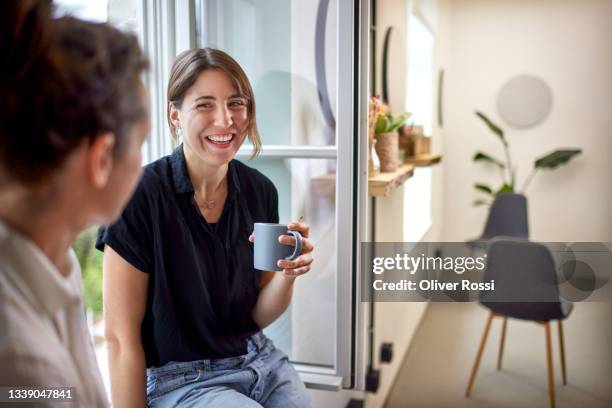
268 251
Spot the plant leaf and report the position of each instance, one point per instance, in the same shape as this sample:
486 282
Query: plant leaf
494 128
505 188
483 188
396 122
381 124
556 158
480 202
480 156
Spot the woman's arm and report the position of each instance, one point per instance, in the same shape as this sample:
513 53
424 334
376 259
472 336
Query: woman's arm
276 288
125 300
274 297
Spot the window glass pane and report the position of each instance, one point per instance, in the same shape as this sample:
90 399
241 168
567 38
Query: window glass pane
306 332
124 14
91 10
275 42
419 95
419 101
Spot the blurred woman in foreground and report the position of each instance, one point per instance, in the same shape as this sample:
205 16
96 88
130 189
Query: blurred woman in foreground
73 117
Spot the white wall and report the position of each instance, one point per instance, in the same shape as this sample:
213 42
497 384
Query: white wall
392 13
567 43
398 322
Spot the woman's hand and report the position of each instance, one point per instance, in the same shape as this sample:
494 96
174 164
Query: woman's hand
301 264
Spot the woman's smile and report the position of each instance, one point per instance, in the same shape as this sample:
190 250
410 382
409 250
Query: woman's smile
220 140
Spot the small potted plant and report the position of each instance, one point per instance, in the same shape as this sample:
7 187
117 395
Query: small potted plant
387 139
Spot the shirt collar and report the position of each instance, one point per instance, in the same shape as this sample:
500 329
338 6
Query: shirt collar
180 176
44 284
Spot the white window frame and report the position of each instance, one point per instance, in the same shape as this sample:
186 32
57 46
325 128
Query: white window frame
168 29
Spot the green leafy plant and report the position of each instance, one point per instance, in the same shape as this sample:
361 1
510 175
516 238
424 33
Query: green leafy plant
91 269
508 171
387 123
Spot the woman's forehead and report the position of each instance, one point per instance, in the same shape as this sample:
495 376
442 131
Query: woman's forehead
213 83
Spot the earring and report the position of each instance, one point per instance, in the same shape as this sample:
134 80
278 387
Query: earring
179 135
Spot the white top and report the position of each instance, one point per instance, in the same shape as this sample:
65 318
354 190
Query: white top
43 333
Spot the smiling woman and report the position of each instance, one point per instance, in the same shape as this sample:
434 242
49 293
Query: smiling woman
212 126
220 71
182 296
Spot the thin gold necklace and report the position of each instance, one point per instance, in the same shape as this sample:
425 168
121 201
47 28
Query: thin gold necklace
207 204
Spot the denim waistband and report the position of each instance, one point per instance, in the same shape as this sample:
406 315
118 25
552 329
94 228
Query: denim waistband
255 344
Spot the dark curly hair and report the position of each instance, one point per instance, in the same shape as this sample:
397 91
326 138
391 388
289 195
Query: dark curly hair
65 81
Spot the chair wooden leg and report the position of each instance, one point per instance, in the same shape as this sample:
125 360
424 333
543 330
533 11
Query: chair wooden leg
549 361
483 340
501 344
562 351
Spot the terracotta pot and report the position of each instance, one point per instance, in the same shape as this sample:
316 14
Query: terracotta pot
387 148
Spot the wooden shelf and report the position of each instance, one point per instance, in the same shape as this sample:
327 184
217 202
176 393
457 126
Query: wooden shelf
382 184
424 160
379 185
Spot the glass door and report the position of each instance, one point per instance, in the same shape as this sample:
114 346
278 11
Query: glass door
298 56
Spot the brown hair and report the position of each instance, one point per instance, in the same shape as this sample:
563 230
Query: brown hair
190 64
68 81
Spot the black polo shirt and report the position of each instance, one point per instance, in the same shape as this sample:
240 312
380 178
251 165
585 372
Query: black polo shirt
202 284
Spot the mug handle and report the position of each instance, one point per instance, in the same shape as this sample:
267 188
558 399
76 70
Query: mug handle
298 245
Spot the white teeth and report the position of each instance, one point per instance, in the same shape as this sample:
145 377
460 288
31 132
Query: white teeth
220 138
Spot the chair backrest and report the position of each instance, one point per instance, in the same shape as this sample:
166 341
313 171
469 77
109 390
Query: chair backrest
507 217
525 280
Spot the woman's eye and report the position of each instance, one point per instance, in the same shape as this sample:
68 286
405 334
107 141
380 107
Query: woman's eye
204 105
236 103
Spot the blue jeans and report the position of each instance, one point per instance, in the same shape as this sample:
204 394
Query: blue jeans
261 378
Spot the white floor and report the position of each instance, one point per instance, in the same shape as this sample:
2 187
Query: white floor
437 367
